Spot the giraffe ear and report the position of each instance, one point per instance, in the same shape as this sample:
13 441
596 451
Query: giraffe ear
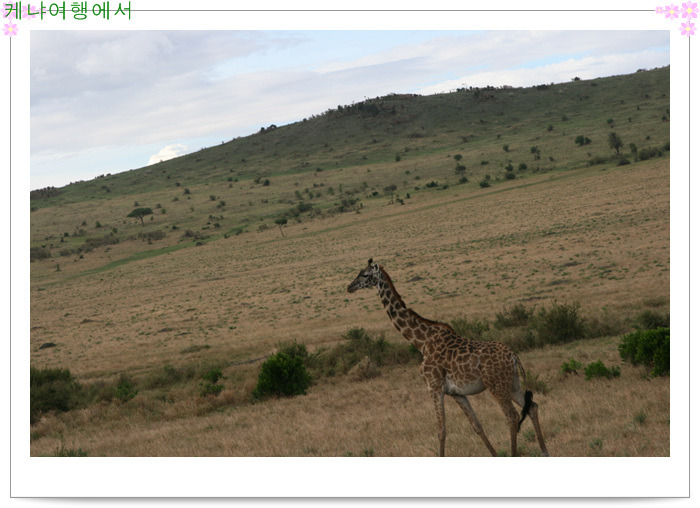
370 261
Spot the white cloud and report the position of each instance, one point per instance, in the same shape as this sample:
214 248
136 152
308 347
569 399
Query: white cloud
167 153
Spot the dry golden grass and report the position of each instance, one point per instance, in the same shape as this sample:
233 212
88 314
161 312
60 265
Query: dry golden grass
390 415
597 237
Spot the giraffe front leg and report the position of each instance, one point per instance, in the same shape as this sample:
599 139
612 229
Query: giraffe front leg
438 398
467 408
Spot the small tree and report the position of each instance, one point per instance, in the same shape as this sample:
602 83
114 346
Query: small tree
615 142
140 213
582 140
281 221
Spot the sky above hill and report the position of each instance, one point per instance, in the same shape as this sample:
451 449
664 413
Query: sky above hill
109 101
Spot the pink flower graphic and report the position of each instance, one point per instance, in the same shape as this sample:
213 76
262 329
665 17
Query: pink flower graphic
688 29
27 10
660 9
672 11
690 10
7 14
10 29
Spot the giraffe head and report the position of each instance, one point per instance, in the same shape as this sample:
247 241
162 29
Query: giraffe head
367 278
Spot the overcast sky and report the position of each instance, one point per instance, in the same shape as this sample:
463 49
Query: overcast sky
109 101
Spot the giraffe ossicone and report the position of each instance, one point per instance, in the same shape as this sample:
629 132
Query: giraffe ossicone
457 366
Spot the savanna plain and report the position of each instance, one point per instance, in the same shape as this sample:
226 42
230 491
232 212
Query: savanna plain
481 204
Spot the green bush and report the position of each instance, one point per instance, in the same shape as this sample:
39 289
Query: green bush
168 376
39 253
650 320
598 159
471 329
648 347
126 388
598 369
516 315
560 323
358 346
293 349
582 140
570 367
533 382
284 375
52 390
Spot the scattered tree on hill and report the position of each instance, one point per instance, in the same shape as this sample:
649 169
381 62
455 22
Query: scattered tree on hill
582 140
281 221
615 142
140 213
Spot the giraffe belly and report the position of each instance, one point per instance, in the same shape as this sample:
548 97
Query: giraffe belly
463 387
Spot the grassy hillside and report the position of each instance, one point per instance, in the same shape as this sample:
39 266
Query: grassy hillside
211 281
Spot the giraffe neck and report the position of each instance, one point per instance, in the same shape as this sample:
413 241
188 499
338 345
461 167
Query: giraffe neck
415 328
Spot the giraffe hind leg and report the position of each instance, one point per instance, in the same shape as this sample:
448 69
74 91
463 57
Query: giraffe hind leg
513 425
471 415
530 409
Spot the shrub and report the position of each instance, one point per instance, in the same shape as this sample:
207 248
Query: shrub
582 140
62 451
648 347
510 175
359 347
484 183
534 383
517 315
168 376
560 323
209 385
650 320
570 367
471 329
39 253
598 369
99 241
52 390
152 235
126 388
598 160
284 375
522 166
293 349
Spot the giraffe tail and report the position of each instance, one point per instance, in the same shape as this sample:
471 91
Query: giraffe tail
526 407
528 395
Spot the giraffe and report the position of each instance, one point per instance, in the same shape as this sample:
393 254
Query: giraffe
457 366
